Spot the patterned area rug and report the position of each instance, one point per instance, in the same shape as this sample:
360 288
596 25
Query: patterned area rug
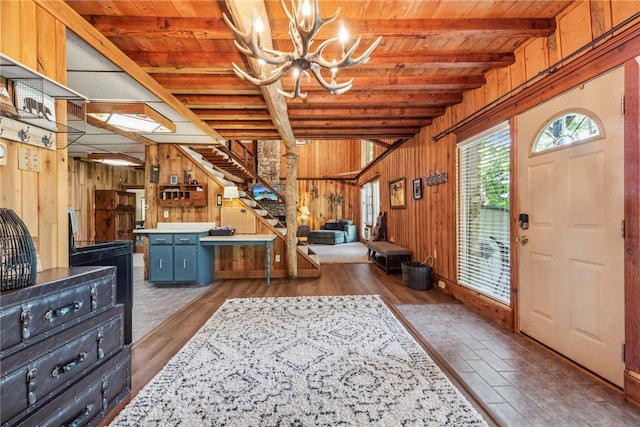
301 361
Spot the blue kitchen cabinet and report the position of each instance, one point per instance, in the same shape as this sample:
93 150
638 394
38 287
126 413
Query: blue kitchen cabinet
179 258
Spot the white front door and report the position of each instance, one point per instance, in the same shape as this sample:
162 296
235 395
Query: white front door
571 278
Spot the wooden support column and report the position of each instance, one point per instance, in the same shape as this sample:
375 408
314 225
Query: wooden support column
151 155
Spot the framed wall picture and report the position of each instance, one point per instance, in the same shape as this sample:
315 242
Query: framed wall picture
417 188
396 194
173 179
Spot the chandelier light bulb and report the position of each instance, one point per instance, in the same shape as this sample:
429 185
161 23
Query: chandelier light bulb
258 26
296 72
306 8
344 34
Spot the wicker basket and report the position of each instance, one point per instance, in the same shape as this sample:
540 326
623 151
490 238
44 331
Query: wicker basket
18 263
417 275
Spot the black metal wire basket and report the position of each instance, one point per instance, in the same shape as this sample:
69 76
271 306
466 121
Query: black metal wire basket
18 263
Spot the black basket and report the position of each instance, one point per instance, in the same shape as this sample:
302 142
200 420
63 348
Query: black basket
221 232
417 275
18 263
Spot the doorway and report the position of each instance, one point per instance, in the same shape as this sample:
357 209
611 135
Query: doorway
571 275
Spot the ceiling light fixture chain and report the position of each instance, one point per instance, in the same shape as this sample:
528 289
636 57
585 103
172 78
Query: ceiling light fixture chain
304 24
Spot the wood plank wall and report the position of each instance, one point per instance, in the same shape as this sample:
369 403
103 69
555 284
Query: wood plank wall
324 168
87 177
37 40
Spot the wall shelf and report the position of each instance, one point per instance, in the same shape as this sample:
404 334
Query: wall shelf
36 118
183 195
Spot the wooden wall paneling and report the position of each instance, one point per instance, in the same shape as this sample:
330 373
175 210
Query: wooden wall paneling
536 58
10 29
518 70
492 89
86 177
319 207
345 157
49 203
51 42
61 156
172 161
621 10
601 18
27 38
572 23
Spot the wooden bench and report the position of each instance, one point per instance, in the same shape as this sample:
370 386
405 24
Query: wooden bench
387 255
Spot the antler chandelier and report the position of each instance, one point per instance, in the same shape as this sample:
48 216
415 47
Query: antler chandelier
305 23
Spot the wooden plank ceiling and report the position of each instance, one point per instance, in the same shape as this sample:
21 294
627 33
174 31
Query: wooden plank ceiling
431 52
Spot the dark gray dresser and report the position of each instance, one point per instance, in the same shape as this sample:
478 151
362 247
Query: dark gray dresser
63 357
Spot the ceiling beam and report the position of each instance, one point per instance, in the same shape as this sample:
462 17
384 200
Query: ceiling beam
325 99
250 134
221 61
364 99
223 101
207 84
366 112
378 132
231 114
240 124
358 122
215 28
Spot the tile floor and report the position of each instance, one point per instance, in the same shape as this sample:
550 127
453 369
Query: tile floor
519 382
153 304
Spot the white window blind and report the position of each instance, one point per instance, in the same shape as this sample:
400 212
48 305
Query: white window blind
483 214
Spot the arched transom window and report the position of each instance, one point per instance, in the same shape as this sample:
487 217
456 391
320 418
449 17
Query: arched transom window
566 129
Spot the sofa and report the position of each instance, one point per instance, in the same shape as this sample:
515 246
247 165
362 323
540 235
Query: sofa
334 232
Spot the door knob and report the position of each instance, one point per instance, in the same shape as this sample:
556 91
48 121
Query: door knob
522 239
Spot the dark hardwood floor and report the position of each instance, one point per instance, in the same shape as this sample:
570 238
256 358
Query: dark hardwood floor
154 350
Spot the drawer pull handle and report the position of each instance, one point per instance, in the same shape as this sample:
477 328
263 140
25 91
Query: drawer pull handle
160 263
31 385
161 240
59 312
99 339
185 240
81 417
25 316
184 264
61 369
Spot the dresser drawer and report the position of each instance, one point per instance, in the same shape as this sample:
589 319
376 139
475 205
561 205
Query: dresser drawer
161 239
41 371
31 314
90 400
185 239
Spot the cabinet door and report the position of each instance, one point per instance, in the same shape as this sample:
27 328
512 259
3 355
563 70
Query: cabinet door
124 225
185 263
161 263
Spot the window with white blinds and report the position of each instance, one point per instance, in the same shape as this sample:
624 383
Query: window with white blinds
483 213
